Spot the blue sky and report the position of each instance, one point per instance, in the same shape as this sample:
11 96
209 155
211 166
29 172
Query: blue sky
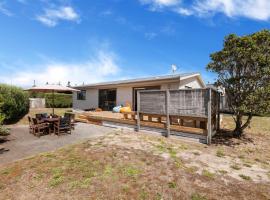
99 40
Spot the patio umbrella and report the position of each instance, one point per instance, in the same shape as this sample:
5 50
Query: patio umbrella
53 89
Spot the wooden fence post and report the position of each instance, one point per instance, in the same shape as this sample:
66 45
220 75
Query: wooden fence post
138 111
209 115
167 102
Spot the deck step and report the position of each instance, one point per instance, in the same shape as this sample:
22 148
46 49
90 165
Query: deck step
81 120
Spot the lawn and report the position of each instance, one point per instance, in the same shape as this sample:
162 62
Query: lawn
128 165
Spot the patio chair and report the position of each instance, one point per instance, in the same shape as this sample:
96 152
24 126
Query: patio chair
39 127
71 117
41 116
62 125
31 125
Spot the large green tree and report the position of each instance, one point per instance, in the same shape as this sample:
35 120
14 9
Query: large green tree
243 68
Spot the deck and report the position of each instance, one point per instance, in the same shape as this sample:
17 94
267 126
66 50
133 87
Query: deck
179 124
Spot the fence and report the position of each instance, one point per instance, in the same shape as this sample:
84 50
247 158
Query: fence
177 106
37 102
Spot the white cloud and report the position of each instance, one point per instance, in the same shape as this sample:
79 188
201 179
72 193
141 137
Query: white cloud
150 35
184 11
4 10
252 9
99 68
160 3
51 17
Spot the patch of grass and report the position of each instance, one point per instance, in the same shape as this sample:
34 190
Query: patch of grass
131 171
220 153
143 194
222 171
208 174
48 155
235 166
6 171
57 177
178 163
56 181
164 149
196 196
172 152
38 176
125 188
158 196
245 177
172 185
183 147
80 184
108 171
161 148
191 169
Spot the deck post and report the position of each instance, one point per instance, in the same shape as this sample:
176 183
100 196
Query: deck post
167 102
138 111
209 115
218 111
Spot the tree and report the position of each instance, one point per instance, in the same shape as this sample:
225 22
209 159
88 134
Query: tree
243 68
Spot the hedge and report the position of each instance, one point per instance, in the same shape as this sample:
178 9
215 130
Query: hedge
14 103
61 100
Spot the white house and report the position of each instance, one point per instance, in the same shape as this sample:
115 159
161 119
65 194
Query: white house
106 95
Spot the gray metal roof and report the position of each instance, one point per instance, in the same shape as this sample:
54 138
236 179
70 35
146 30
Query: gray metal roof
137 80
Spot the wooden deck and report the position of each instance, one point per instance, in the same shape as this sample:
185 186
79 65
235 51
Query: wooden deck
186 124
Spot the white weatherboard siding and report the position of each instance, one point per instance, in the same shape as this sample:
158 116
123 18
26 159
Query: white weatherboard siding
124 92
171 86
91 100
124 95
192 82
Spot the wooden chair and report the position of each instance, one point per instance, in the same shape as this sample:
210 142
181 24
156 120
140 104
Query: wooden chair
71 117
62 125
31 125
39 127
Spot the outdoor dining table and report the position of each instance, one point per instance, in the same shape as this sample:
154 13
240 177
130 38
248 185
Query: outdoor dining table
51 121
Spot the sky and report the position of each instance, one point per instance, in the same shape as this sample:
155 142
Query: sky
88 41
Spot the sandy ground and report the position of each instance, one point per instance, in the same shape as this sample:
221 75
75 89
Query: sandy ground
21 144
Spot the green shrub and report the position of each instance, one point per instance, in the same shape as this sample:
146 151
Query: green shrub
14 103
61 100
3 131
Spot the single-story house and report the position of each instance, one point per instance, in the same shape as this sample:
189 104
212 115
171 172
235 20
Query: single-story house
107 95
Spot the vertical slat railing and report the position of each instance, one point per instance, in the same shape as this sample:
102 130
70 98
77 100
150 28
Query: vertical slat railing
209 114
167 102
138 111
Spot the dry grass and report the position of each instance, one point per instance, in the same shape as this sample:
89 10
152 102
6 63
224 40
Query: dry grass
253 147
34 111
127 166
259 125
143 166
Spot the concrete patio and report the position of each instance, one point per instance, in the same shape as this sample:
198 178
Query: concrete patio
21 144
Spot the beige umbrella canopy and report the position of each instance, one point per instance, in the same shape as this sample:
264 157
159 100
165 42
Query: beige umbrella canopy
53 89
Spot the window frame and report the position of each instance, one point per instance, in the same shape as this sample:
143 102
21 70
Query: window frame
81 95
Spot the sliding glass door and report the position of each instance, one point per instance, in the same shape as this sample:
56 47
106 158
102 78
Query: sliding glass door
107 99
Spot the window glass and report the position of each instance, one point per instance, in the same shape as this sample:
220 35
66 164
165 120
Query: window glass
81 95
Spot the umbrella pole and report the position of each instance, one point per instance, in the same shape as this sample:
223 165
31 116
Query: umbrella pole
53 101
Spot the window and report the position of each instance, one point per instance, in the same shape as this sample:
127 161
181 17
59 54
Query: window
188 87
81 95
